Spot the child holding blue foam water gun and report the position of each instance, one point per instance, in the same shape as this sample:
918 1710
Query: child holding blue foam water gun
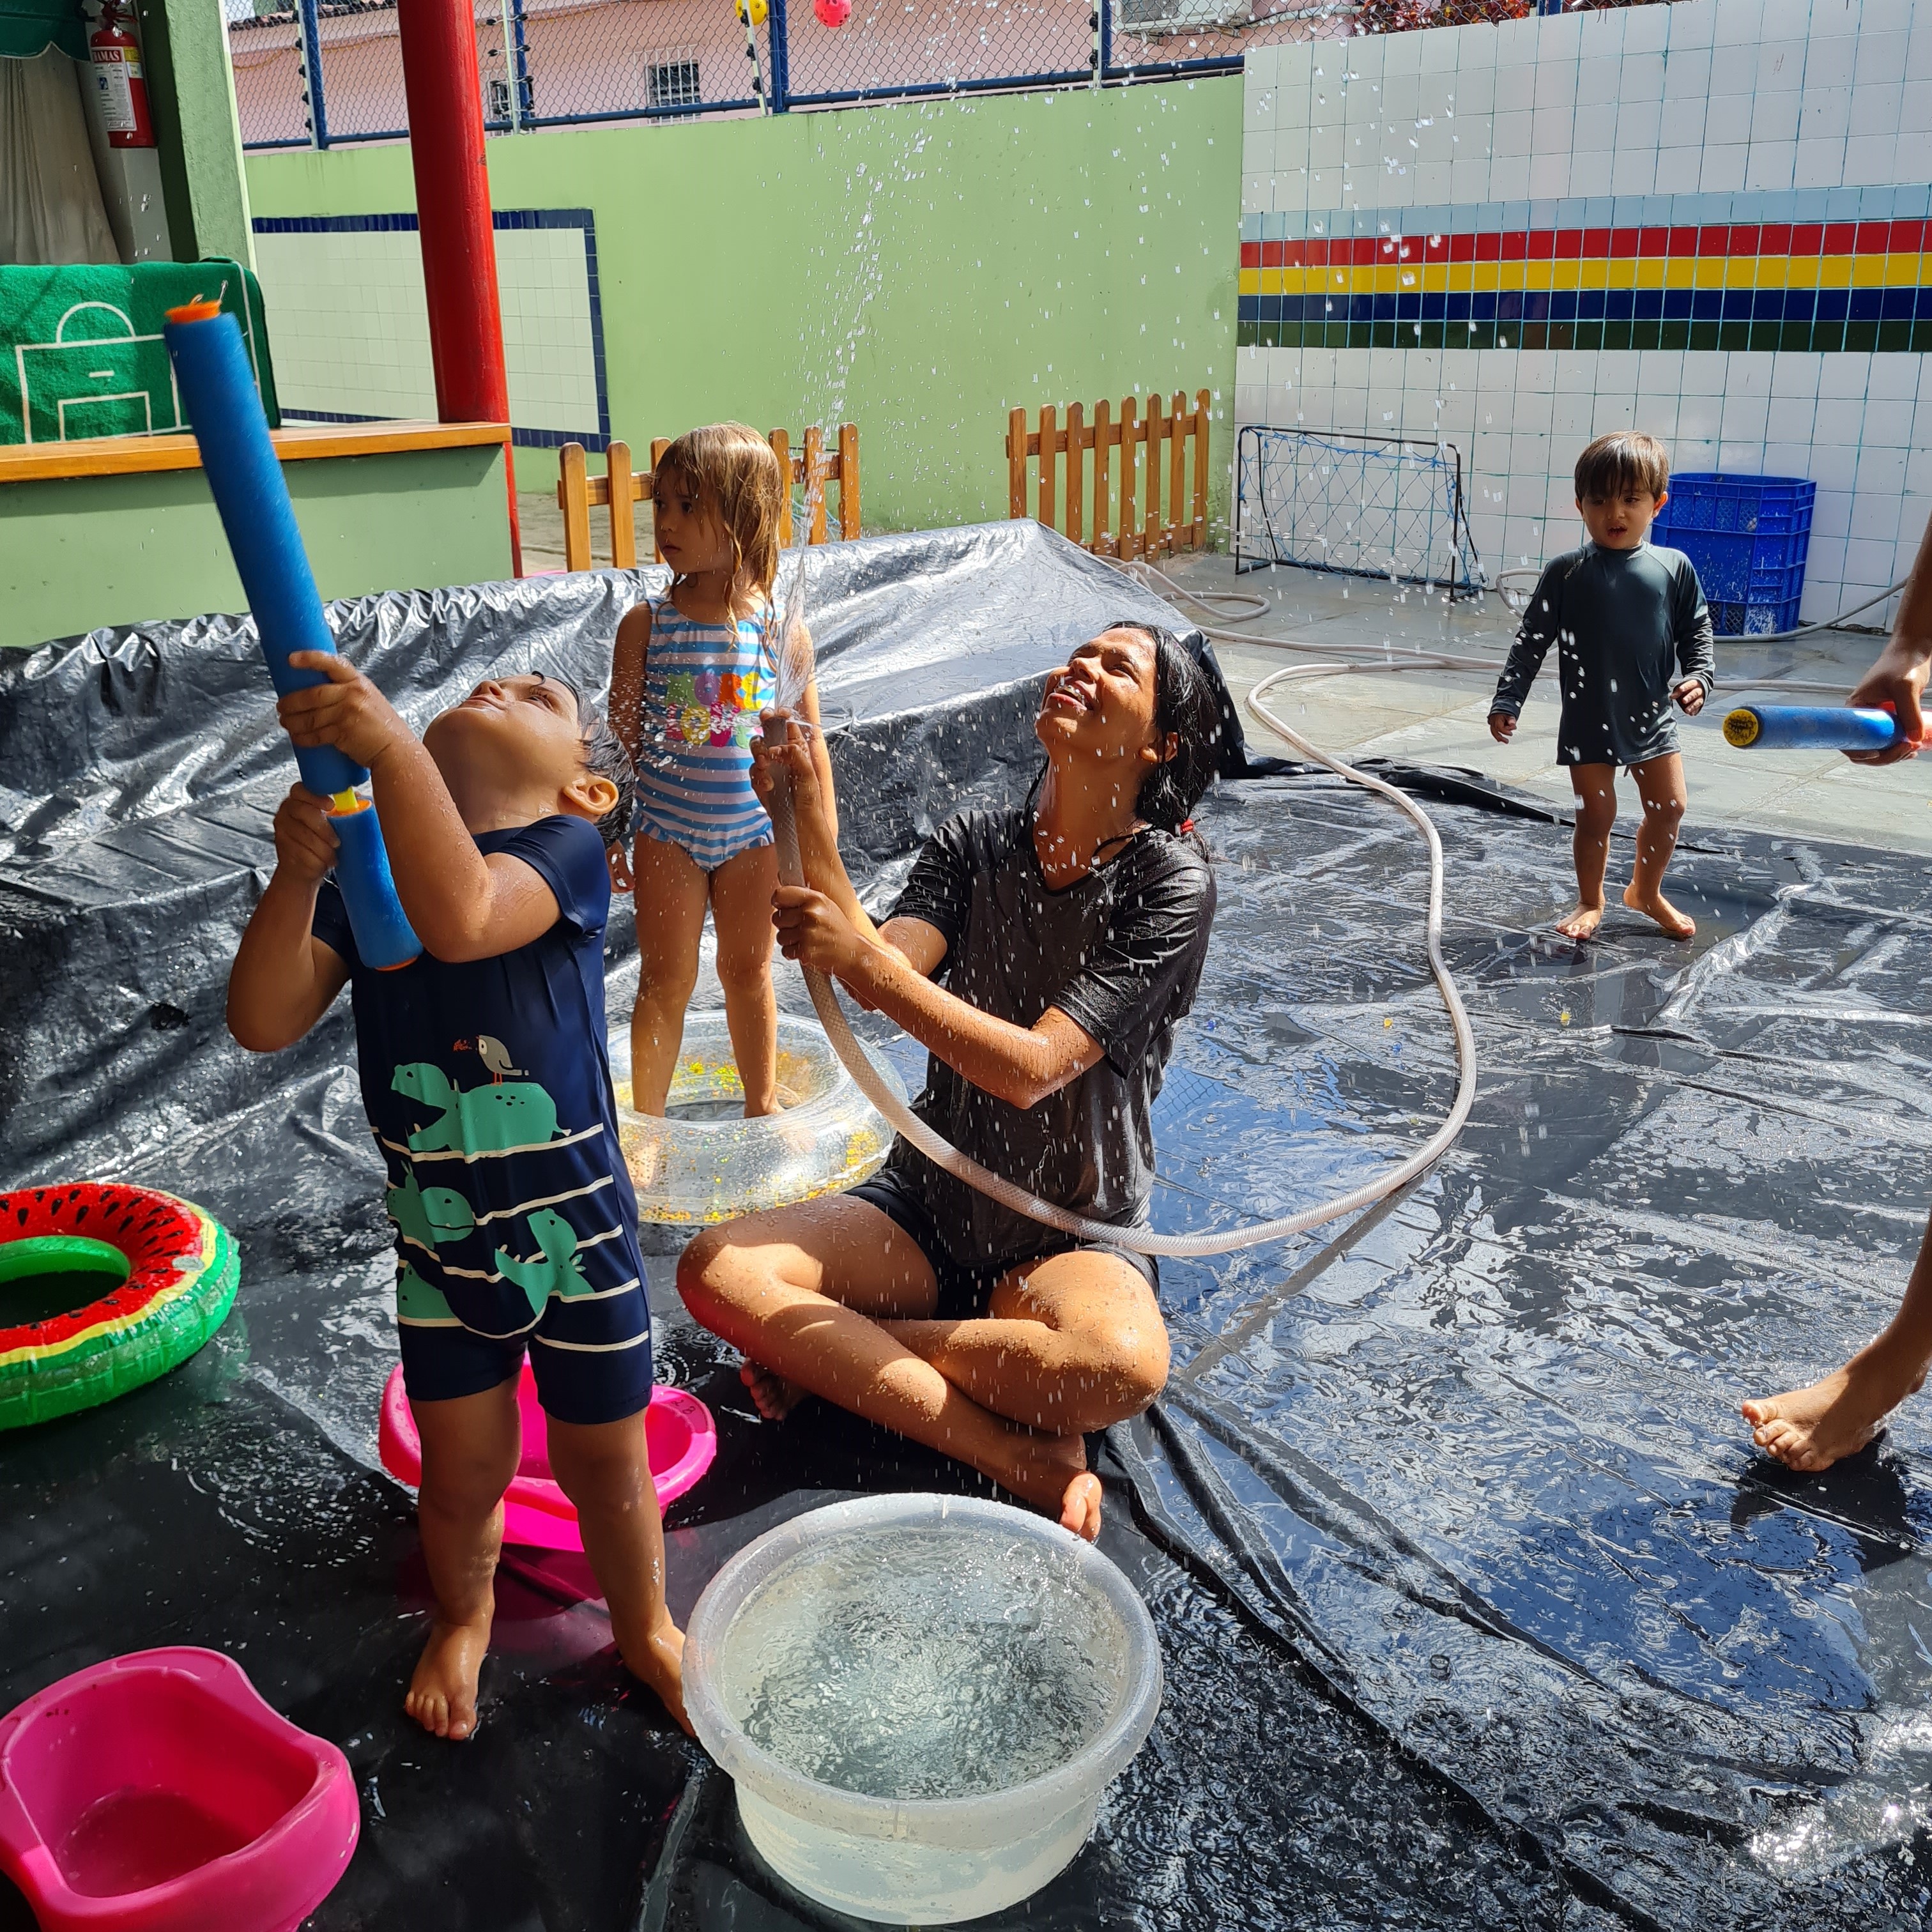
487 1080
693 668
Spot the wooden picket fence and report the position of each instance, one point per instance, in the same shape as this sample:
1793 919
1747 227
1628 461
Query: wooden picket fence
620 489
1133 431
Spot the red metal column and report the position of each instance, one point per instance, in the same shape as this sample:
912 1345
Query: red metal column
459 247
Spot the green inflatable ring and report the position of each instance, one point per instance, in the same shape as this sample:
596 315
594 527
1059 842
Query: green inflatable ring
105 1287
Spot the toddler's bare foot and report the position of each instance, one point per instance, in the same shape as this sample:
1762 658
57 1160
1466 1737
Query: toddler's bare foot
1580 921
661 1666
775 1397
1675 924
442 1693
1810 1429
1052 1476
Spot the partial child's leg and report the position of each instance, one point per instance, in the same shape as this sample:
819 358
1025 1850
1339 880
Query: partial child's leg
470 1447
670 892
805 1291
741 905
605 1468
1596 789
1659 784
1813 1428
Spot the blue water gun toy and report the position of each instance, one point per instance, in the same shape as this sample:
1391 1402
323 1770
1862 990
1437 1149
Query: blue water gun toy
211 369
1811 728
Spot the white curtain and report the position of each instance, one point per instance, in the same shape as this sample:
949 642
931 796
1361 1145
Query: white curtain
50 206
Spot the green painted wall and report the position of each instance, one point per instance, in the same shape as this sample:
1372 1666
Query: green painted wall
191 86
916 268
123 550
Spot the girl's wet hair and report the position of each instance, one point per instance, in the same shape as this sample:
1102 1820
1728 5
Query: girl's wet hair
604 756
1186 703
734 476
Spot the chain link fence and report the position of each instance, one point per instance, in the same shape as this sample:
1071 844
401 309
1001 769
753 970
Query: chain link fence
325 72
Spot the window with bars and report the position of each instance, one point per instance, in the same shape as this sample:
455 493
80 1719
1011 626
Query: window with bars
671 84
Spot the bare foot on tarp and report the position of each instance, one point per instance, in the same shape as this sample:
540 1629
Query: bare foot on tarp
660 1666
443 1693
1676 925
776 1398
1810 1429
1580 921
1051 1474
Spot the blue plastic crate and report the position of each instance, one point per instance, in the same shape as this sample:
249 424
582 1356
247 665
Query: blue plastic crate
1748 537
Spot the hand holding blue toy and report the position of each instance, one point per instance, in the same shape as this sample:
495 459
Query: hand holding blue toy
211 368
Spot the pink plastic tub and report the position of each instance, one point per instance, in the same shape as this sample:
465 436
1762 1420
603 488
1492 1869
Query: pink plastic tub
678 1433
158 1792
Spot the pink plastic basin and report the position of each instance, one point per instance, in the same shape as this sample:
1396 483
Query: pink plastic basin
158 1792
679 1434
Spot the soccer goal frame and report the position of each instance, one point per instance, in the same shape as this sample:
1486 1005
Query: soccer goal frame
1355 505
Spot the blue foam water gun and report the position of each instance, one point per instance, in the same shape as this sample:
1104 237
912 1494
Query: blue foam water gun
211 368
1811 728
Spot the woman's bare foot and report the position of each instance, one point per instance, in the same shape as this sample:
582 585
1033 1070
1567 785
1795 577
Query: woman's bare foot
1580 921
661 1667
774 1397
1810 1429
1675 924
443 1693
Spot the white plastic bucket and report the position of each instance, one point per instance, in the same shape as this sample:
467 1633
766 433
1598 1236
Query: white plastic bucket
927 1860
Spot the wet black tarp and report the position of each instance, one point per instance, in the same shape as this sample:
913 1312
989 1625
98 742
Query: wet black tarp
1476 1608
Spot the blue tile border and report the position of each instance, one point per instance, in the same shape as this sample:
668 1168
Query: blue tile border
502 219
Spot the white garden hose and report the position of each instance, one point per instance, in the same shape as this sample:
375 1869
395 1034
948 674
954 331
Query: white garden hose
1142 1241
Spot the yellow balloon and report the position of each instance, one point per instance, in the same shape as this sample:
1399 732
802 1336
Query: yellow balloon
758 12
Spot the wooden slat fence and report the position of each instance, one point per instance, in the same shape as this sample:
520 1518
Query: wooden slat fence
620 489
1178 482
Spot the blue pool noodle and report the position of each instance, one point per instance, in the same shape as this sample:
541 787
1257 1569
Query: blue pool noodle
1817 728
218 387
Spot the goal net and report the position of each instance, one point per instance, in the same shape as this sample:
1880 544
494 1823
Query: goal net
1369 505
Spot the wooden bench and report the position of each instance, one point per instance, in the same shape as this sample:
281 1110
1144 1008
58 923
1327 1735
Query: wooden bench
620 489
1133 431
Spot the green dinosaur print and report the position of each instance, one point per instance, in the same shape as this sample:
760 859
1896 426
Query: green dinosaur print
555 1270
428 1216
485 1119
420 1304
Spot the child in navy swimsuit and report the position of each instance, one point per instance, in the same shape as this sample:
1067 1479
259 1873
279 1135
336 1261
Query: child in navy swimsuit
693 668
486 1081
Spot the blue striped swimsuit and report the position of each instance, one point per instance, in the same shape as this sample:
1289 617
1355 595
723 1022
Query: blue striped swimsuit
704 686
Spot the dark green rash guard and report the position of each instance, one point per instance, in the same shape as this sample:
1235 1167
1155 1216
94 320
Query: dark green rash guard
1629 624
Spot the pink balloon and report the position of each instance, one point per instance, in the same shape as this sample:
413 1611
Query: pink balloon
833 13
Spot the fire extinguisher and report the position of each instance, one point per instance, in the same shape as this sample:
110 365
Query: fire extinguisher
116 55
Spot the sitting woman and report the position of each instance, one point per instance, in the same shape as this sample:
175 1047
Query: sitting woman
1070 935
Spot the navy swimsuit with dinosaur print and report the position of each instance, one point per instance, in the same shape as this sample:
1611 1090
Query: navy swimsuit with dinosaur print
487 1085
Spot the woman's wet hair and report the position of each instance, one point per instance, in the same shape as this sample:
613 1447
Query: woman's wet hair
1186 704
604 756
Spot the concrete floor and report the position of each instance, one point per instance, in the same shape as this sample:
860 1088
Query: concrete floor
1439 717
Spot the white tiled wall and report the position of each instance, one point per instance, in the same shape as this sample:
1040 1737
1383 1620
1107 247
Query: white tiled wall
350 327
1598 117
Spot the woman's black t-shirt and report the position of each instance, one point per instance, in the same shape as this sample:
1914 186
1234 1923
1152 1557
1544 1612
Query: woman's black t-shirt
1120 953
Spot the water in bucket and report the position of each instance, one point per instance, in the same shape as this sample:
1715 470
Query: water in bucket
914 1663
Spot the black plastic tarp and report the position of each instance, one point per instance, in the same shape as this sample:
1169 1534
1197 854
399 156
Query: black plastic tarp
1477 1607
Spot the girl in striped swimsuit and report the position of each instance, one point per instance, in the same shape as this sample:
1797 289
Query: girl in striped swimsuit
693 668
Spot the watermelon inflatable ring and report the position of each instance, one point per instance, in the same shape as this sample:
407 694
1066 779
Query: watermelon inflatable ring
103 1288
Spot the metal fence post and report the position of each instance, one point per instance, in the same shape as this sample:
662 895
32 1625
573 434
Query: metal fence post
517 58
1103 43
780 59
308 45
